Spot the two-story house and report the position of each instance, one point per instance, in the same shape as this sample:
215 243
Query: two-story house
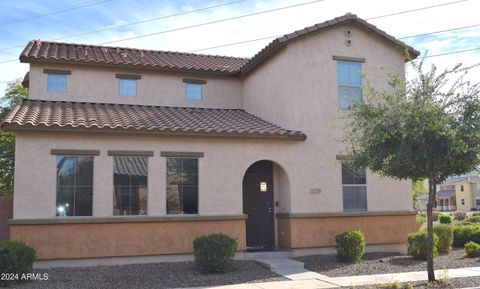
126 152
459 194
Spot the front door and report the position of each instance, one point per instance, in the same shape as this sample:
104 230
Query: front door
258 205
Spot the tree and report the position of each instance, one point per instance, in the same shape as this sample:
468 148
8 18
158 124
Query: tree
13 93
424 128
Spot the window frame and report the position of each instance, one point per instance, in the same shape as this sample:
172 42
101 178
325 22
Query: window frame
127 80
132 155
182 156
353 185
50 88
75 187
195 85
340 85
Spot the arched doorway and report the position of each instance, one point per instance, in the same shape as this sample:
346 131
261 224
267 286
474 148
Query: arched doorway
258 205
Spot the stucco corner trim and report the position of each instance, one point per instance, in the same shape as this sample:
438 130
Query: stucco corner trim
126 219
348 58
182 154
75 152
344 214
130 153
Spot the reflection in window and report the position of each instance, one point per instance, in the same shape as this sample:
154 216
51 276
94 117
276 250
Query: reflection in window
130 185
182 186
349 83
354 183
74 185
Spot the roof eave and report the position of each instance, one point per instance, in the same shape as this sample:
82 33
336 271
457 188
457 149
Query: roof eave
42 60
13 127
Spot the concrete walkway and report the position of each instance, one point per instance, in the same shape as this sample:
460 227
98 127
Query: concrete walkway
304 279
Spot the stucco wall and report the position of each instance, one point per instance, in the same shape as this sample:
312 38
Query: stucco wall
221 172
466 194
97 84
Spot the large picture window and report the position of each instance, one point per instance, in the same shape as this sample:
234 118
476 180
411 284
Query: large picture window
74 185
130 175
349 83
354 184
182 186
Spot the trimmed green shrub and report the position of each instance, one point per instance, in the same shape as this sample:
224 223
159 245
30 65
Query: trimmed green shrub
463 234
445 219
445 237
474 219
350 246
214 253
421 219
417 245
472 250
15 258
460 216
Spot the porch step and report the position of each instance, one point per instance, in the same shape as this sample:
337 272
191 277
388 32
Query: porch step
267 255
275 264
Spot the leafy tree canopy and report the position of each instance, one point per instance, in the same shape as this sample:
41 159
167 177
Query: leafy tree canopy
13 93
427 128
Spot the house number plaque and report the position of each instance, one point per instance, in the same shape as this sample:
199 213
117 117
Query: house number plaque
315 191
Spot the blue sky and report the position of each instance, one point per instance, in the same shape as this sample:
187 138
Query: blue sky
111 13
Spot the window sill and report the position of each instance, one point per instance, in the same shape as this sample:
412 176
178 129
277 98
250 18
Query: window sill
126 219
343 214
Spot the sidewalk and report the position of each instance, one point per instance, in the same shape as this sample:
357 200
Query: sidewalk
304 279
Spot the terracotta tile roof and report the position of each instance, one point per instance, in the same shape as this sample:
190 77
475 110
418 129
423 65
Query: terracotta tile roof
38 50
123 118
45 51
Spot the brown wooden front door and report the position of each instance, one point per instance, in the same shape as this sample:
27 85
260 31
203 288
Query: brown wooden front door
258 205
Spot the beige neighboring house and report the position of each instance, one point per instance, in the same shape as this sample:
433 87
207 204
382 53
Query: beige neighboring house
459 194
125 152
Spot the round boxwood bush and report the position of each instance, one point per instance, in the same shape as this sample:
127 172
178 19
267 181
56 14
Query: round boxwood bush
15 258
445 219
463 234
445 237
472 250
214 253
350 246
417 245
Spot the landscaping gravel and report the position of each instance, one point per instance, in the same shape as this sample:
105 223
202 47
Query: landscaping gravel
160 275
381 263
468 282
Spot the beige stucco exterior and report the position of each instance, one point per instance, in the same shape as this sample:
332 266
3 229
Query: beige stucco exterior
295 88
466 195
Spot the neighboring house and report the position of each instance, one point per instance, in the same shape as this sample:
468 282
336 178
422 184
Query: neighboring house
130 152
463 194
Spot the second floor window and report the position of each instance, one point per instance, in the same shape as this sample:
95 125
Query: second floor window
349 83
57 83
193 91
354 186
462 188
127 87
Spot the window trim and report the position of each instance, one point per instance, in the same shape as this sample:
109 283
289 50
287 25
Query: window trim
57 74
186 155
120 88
68 152
340 85
57 71
194 81
128 76
114 153
354 185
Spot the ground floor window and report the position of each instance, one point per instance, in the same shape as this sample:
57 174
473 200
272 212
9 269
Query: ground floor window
182 186
74 185
354 186
130 175
477 201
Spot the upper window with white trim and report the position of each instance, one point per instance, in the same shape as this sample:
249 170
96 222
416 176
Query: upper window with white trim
349 76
